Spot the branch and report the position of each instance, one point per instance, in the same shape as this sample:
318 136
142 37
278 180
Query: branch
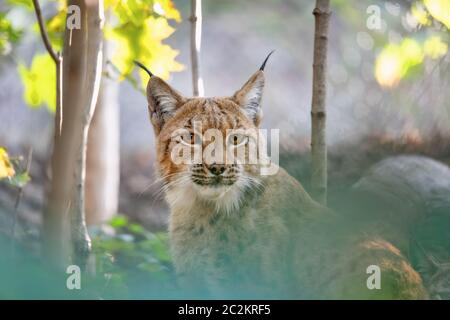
44 34
91 86
128 77
318 108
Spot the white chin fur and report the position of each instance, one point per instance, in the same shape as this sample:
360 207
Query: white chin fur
212 193
224 198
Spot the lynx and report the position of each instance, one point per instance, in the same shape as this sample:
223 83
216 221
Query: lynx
235 233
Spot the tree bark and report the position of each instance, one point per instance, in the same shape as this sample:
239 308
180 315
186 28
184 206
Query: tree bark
196 41
64 222
318 110
56 219
102 166
94 56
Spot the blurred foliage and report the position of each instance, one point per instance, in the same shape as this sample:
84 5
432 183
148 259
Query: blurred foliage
8 34
136 27
398 61
11 170
130 259
20 180
435 48
143 42
25 276
420 14
440 10
129 262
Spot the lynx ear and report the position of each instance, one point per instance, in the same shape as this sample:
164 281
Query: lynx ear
163 101
250 95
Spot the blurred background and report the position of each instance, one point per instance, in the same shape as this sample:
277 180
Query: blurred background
388 90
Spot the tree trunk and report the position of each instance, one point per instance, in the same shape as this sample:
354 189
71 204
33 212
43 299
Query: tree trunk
318 109
64 222
94 56
196 41
102 167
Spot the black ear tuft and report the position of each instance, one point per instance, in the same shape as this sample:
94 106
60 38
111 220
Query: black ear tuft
265 61
249 97
140 65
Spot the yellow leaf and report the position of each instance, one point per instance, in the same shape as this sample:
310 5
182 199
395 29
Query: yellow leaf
440 10
435 48
144 43
411 53
39 82
157 29
109 4
162 63
420 14
167 9
388 67
6 169
396 60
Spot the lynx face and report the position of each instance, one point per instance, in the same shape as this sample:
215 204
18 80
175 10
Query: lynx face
212 132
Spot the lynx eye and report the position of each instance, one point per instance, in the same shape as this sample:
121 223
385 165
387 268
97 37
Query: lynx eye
237 139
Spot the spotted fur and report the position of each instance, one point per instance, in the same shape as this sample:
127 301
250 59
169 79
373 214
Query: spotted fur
247 235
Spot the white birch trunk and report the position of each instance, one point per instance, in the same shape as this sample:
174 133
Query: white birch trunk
196 41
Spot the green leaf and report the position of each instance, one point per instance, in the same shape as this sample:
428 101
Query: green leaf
20 180
136 228
8 34
118 221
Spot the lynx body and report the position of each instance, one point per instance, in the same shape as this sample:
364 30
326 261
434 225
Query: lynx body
236 233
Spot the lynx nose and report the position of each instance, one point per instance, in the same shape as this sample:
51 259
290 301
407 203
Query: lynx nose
217 169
